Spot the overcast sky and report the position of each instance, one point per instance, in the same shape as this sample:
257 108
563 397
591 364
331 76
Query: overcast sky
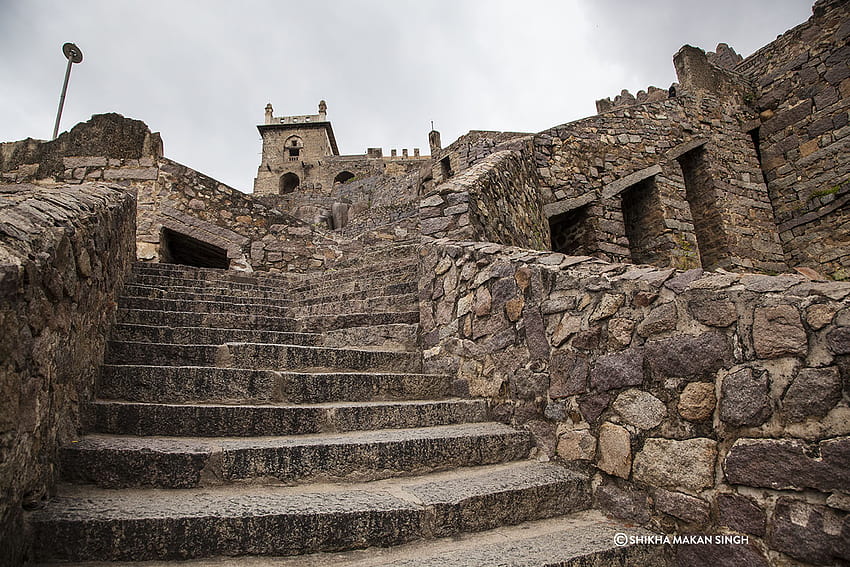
201 71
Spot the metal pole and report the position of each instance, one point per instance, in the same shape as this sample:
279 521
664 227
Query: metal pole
74 55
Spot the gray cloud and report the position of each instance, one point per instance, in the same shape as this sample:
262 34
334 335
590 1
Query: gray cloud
201 71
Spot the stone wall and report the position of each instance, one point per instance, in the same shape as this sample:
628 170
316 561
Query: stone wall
494 200
64 253
703 402
803 89
597 165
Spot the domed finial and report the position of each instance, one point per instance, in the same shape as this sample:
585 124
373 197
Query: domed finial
269 113
323 107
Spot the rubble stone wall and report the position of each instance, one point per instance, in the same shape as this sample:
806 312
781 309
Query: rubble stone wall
803 96
704 402
64 253
594 163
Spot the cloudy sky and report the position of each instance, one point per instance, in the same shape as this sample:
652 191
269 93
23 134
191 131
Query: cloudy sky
201 71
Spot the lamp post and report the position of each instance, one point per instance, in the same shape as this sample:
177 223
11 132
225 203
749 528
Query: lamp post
74 55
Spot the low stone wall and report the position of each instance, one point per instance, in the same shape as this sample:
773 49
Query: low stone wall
64 254
703 402
495 200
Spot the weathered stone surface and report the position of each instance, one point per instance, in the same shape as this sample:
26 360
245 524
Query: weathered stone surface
783 464
662 318
699 355
812 393
745 398
568 374
615 452
623 501
592 405
608 305
682 506
778 331
741 513
714 312
839 340
577 445
682 281
687 464
697 401
712 555
617 370
639 408
810 533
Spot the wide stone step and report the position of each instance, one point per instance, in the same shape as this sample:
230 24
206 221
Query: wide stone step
387 303
224 320
177 384
209 336
184 462
396 271
261 355
317 323
95 524
283 298
218 420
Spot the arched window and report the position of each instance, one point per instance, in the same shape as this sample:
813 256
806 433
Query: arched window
288 183
344 177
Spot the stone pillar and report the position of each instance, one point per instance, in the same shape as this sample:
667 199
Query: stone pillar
269 112
434 141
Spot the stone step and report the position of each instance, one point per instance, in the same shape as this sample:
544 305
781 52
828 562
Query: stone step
223 320
317 323
184 462
282 298
217 420
178 384
260 356
94 524
390 303
399 336
209 336
581 539
237 281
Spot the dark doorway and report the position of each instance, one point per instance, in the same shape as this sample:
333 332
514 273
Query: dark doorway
643 221
700 194
570 231
177 248
288 183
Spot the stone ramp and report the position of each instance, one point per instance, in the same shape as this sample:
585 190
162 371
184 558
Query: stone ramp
273 415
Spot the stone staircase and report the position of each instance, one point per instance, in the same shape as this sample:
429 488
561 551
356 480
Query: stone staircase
262 415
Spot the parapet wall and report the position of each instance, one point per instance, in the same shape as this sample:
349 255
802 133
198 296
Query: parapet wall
803 96
704 403
64 253
494 200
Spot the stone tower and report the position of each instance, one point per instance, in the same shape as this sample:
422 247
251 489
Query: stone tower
293 150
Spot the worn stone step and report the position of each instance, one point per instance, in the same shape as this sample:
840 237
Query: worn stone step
236 281
141 524
223 320
177 384
260 355
581 539
391 303
218 420
317 323
184 462
283 298
209 336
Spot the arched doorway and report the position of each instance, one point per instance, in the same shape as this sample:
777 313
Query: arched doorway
288 183
344 177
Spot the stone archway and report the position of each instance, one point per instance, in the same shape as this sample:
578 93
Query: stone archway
343 177
288 183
